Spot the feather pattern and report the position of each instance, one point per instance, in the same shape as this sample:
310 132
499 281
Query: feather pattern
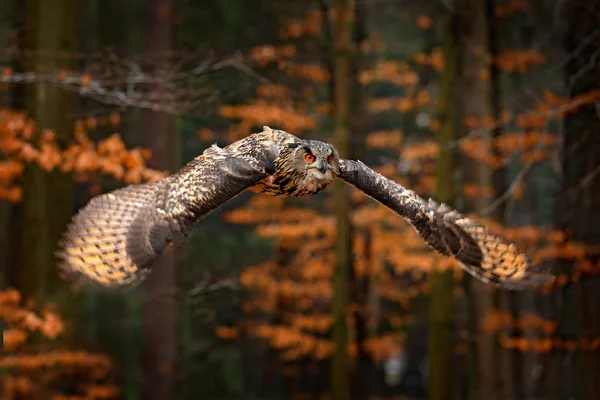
481 253
116 237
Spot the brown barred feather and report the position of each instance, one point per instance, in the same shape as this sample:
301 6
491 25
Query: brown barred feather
484 255
114 240
116 237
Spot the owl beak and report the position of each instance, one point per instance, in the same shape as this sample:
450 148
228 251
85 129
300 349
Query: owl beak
323 167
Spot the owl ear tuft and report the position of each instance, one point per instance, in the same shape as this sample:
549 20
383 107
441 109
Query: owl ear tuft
266 128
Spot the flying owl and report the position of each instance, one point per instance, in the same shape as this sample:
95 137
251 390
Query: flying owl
115 239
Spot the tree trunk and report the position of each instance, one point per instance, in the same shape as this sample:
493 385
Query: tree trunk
579 209
342 102
7 209
159 306
440 342
47 203
362 376
480 98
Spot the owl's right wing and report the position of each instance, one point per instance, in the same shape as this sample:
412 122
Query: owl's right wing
114 240
481 253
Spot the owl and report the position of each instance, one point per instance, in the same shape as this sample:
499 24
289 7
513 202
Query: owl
115 239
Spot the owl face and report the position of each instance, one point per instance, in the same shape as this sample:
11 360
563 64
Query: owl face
317 160
303 168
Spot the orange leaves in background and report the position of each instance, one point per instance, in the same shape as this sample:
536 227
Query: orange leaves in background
544 345
528 324
20 143
424 22
55 359
383 347
272 91
293 342
373 44
267 283
511 7
435 59
23 321
519 61
264 112
532 142
301 290
509 61
86 80
398 73
311 72
319 323
402 104
417 152
473 191
29 370
387 253
297 230
310 25
226 332
10 170
557 106
496 320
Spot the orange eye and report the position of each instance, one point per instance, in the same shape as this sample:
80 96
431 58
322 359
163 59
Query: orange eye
330 158
309 158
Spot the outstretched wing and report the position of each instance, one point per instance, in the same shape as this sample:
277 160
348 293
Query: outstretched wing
114 240
481 253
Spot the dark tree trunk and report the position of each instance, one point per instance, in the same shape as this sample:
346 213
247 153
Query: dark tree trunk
340 385
47 203
440 341
159 306
579 204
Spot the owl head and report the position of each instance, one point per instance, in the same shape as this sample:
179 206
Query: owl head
305 167
316 160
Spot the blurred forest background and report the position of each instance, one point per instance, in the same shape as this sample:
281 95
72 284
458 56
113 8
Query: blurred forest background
488 105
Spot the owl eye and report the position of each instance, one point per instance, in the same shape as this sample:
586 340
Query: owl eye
309 158
330 158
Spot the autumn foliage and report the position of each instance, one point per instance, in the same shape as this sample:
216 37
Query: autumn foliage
33 366
387 253
21 142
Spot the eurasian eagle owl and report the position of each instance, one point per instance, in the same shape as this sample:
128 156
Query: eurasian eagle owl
114 240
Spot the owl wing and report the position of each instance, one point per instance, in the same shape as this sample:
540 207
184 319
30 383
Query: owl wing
481 253
114 240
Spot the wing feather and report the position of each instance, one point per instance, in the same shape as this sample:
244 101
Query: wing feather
483 254
114 240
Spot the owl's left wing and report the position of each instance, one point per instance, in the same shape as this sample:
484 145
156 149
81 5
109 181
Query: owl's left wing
481 253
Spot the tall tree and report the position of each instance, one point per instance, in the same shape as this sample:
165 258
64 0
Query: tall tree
52 30
479 99
581 192
440 345
342 84
159 306
7 14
